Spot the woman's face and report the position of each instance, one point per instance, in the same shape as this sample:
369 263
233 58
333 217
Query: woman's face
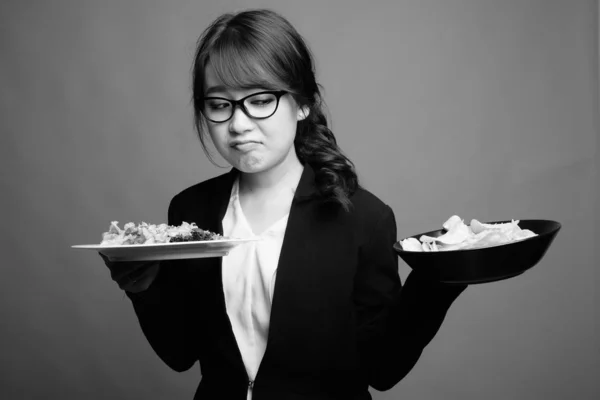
253 145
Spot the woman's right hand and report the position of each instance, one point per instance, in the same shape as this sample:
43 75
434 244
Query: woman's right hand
132 276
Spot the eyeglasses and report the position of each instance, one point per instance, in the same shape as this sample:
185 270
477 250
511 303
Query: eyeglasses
260 105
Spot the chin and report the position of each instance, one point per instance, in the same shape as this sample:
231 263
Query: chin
251 165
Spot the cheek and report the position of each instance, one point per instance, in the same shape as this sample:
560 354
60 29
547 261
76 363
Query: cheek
284 132
218 137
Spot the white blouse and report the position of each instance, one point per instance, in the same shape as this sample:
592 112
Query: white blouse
248 274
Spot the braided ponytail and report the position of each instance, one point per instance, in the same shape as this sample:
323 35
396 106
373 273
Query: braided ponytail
335 176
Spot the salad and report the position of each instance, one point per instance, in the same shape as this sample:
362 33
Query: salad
151 234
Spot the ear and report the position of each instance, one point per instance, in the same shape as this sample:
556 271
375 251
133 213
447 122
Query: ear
302 113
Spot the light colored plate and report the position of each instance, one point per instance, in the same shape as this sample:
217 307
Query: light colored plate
166 251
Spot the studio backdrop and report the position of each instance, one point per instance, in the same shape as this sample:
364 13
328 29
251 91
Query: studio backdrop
486 109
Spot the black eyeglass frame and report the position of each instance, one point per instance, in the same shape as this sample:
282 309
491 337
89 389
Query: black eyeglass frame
240 103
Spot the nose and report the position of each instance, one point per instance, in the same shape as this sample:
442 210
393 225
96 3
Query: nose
240 122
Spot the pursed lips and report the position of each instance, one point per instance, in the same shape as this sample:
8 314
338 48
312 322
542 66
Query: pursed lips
240 142
243 144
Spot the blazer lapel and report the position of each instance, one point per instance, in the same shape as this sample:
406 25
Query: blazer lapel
219 202
207 208
291 257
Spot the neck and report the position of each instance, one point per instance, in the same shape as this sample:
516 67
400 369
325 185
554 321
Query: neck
286 173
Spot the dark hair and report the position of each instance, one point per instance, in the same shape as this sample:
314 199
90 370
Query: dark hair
260 48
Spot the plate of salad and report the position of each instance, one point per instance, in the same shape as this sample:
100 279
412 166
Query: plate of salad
148 242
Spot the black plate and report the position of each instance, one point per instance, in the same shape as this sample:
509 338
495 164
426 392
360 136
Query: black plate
486 264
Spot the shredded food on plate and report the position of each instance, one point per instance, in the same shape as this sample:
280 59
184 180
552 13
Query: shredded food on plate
459 236
151 234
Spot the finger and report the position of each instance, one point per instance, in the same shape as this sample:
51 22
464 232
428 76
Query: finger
112 266
105 258
122 264
133 275
143 281
122 270
107 261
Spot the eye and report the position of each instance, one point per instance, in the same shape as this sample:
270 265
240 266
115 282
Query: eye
262 100
217 104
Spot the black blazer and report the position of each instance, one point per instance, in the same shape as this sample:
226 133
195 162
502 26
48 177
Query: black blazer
340 319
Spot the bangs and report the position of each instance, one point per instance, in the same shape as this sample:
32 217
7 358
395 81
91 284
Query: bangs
239 65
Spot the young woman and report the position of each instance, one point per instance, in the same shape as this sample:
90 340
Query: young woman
315 309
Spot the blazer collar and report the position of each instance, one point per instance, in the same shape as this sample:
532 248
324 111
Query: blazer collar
306 187
222 196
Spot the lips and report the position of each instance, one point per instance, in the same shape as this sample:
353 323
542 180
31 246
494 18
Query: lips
246 145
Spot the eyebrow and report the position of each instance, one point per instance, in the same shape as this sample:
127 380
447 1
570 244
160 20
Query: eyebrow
224 89
215 89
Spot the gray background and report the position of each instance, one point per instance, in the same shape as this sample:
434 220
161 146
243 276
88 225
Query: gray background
486 109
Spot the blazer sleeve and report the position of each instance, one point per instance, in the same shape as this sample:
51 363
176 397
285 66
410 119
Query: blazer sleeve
395 322
164 313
